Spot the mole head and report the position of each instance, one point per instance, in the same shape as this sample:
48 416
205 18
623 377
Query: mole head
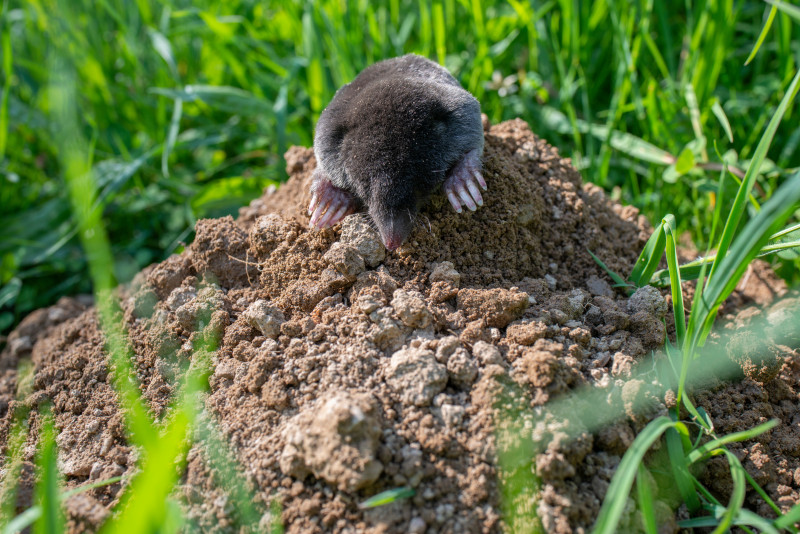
393 208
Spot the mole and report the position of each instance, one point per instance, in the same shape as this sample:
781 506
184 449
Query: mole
389 139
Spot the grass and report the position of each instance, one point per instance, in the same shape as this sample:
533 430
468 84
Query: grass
187 108
122 123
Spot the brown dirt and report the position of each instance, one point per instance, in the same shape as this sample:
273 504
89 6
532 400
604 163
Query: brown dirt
344 370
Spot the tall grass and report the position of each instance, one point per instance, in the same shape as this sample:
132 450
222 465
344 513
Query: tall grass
187 107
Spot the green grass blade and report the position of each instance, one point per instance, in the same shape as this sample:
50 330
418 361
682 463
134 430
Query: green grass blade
680 469
644 494
618 280
8 76
29 516
649 258
15 445
744 435
789 518
172 135
624 142
790 9
719 113
51 520
620 487
439 32
761 36
233 480
737 210
675 277
737 496
387 497
82 194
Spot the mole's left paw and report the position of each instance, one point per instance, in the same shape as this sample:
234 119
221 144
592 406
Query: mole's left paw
329 204
463 181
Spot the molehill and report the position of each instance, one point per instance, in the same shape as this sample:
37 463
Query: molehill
343 370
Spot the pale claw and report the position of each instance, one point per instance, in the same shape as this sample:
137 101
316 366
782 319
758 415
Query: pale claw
318 213
476 195
329 204
463 182
462 193
454 201
480 179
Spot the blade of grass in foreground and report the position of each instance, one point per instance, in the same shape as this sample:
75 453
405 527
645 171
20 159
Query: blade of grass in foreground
51 520
620 487
29 516
645 497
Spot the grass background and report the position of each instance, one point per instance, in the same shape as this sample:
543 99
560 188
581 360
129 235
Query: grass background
189 106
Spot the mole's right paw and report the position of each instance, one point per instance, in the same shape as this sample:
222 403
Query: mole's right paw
329 204
461 185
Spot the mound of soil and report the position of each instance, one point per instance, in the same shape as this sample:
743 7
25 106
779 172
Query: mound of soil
343 370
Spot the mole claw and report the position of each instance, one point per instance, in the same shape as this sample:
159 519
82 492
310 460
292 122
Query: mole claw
317 213
453 201
466 199
480 179
476 195
312 204
339 215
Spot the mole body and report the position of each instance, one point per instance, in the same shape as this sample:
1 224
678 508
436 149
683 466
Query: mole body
400 130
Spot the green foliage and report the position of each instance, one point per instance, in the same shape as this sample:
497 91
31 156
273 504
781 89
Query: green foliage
187 108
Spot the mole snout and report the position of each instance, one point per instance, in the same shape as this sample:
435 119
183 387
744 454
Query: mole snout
394 227
400 131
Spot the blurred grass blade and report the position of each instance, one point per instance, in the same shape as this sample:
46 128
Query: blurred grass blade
790 9
51 520
644 494
626 143
761 36
224 98
15 444
698 454
789 518
387 497
172 135
29 516
439 32
716 108
620 487
164 49
223 462
82 194
8 78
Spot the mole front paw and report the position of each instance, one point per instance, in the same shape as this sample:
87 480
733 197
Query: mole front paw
461 186
329 204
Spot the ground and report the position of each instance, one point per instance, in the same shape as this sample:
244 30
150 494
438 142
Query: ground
343 370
